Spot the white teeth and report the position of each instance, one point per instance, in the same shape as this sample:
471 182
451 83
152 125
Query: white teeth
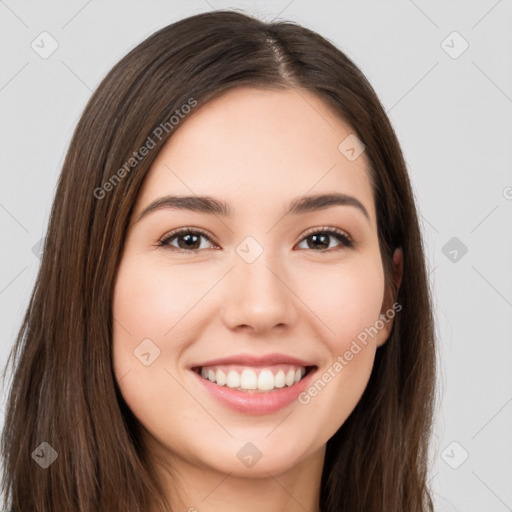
233 379
250 380
279 379
221 378
265 380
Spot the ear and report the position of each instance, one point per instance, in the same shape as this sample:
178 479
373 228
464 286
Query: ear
386 317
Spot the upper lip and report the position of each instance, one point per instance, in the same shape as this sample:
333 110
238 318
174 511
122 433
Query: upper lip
253 360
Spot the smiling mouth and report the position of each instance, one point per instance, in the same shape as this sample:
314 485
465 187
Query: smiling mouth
254 379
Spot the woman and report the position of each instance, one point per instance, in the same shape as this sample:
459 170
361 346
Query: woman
232 309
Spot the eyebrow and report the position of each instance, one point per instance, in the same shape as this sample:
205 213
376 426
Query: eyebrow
209 205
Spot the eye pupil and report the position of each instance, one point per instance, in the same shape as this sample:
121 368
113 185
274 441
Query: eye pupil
188 236
316 237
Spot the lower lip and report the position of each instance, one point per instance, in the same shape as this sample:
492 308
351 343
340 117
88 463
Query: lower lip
256 402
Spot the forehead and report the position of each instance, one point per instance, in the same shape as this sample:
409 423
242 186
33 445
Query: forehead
259 147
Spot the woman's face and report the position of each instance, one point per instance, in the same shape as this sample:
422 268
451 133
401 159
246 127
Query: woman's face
257 280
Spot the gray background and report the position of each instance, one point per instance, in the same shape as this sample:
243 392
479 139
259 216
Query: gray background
452 114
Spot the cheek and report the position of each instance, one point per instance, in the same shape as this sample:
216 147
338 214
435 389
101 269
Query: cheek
142 295
346 299
145 307
141 311
152 302
348 302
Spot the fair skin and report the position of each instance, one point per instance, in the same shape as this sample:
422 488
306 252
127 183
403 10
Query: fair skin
257 150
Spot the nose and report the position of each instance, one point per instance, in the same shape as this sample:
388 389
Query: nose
258 296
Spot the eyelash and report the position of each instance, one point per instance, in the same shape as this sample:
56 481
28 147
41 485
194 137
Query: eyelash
345 240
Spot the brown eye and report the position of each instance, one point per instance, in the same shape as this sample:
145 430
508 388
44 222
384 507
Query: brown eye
186 240
321 239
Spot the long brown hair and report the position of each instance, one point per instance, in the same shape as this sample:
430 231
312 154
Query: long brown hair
64 391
